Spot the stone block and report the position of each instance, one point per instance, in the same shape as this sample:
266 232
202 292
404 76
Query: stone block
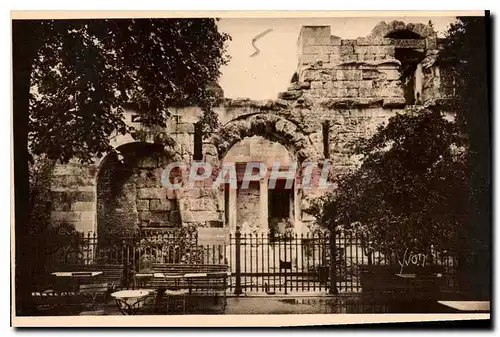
366 92
59 216
390 74
409 43
348 42
210 204
366 57
197 204
373 41
394 103
346 50
350 58
317 85
160 205
349 74
151 193
142 205
71 181
342 92
369 74
352 84
202 216
72 196
314 58
391 89
317 75
184 128
82 206
61 205
318 50
290 95
315 36
335 41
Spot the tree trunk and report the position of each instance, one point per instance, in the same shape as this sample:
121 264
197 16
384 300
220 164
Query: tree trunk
24 47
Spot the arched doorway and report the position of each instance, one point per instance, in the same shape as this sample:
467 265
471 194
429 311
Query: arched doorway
130 195
260 207
264 138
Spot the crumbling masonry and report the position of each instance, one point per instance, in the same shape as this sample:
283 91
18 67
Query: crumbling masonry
342 90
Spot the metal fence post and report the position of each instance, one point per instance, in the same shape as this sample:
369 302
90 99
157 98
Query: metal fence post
333 267
237 236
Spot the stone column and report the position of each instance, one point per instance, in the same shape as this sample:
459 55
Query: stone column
232 208
418 84
264 204
296 210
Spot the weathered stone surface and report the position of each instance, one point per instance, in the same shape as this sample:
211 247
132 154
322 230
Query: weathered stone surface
202 216
160 205
72 196
318 75
299 86
184 128
197 204
391 103
409 43
383 29
313 58
142 205
315 36
346 50
349 75
151 193
352 84
390 74
82 206
290 95
348 42
70 216
373 41
335 41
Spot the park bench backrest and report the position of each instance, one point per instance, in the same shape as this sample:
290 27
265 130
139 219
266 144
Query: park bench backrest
111 273
213 282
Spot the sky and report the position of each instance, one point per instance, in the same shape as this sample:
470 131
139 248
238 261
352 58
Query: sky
269 72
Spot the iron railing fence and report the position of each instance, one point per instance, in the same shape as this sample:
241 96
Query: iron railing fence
258 262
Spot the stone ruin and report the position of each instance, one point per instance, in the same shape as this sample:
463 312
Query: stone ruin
342 90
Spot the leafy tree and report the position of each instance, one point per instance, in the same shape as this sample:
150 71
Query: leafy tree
465 51
85 72
425 179
410 190
73 79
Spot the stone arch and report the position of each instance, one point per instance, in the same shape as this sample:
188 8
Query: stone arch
129 192
271 127
398 29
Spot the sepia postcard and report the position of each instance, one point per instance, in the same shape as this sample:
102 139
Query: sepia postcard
250 168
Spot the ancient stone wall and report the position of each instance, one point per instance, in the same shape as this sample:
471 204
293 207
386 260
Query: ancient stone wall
344 89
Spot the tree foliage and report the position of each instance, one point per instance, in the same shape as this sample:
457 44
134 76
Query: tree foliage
424 177
85 72
410 190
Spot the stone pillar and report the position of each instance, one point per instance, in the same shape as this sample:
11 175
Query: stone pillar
296 210
264 213
233 208
418 84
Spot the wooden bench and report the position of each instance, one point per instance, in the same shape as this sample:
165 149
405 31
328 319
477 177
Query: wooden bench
202 281
215 279
112 274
